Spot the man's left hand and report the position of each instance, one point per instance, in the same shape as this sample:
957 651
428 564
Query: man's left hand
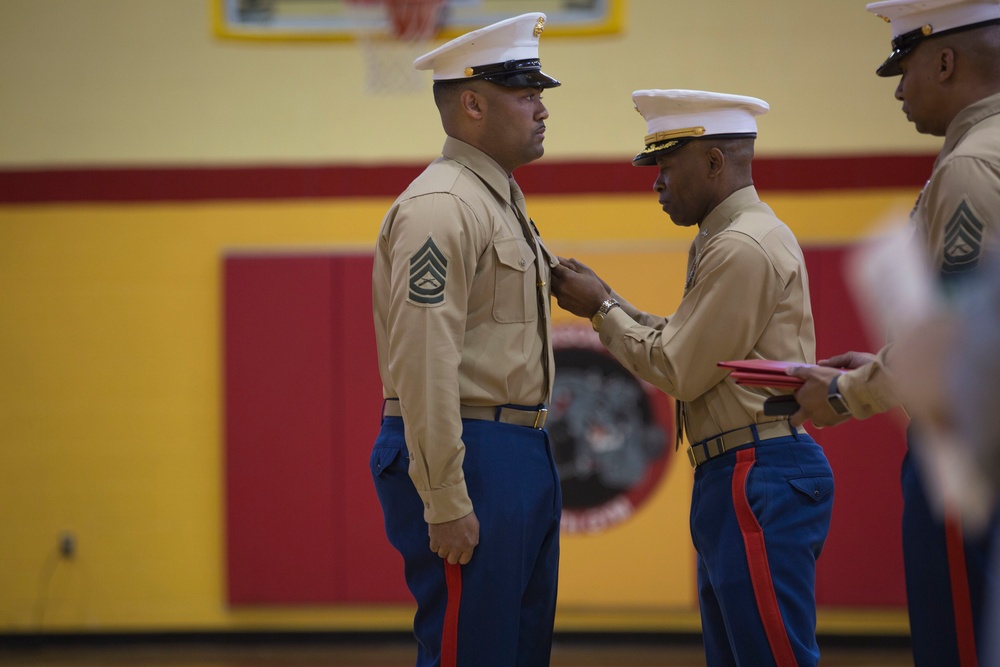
812 397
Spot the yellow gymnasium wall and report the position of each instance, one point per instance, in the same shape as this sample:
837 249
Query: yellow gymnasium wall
110 366
118 82
111 405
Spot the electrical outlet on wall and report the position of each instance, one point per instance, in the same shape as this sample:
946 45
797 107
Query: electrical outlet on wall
67 544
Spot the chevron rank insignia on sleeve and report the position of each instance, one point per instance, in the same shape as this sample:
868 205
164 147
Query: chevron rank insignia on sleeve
963 240
428 270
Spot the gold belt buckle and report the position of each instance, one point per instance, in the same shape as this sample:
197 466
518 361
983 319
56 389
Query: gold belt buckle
540 418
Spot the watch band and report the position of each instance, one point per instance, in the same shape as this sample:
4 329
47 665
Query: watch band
835 399
598 319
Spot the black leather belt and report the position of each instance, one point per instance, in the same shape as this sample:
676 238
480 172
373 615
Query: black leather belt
532 418
724 442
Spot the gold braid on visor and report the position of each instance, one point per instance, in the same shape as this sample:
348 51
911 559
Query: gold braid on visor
659 141
680 133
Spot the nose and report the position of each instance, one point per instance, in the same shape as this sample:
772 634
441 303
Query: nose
658 184
543 112
899 90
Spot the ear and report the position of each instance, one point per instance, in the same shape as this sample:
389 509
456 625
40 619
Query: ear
472 104
716 161
946 64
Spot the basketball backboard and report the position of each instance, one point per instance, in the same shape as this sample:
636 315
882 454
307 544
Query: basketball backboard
340 20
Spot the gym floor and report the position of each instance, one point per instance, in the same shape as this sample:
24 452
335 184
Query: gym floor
398 652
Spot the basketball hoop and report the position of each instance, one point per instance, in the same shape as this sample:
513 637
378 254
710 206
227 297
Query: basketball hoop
392 34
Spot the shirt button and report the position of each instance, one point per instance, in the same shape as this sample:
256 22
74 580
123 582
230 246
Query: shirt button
522 262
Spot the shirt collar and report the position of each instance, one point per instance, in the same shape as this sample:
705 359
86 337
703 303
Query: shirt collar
966 118
723 214
481 164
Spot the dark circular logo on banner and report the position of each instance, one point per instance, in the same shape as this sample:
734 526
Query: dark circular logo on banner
610 433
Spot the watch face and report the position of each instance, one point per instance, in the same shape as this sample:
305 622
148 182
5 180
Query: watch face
837 403
835 399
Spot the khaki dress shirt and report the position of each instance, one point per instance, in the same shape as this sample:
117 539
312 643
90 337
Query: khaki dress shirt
957 217
460 294
747 297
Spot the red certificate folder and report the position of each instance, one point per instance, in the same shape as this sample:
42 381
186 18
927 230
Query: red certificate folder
764 372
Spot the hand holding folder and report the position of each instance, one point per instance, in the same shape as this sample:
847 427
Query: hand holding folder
769 373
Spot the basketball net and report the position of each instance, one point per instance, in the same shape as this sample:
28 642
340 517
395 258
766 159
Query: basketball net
391 35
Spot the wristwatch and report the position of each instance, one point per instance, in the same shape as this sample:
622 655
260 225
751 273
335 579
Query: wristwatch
835 399
598 319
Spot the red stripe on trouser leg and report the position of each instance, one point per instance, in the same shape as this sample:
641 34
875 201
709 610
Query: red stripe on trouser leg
449 632
960 598
760 571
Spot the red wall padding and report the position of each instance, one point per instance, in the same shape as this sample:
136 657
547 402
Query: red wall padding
862 563
303 402
302 410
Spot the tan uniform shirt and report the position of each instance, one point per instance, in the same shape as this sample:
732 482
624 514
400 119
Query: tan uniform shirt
958 218
461 305
747 298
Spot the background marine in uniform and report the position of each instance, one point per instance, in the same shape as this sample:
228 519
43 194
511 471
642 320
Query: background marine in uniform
947 55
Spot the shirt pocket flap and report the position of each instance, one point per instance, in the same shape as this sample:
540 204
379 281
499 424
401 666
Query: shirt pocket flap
514 253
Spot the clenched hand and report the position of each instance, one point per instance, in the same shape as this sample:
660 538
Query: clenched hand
455 540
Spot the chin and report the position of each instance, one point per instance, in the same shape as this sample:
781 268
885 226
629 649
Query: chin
924 128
